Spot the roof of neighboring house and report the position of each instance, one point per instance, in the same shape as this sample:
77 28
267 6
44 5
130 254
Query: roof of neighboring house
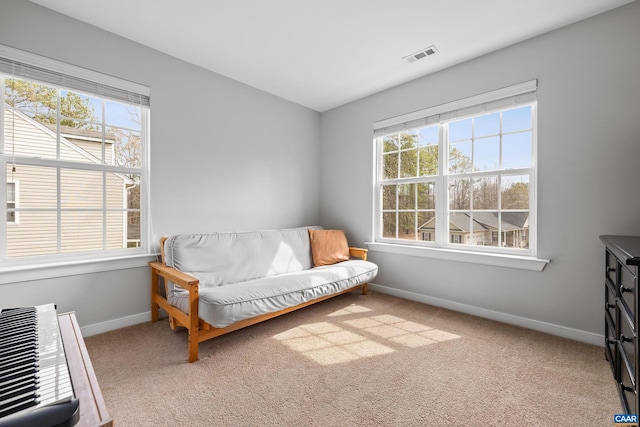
482 221
77 134
85 134
457 222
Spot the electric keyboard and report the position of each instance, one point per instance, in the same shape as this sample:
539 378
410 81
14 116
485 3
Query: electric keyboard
35 386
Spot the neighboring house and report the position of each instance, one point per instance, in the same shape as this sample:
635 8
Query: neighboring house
33 230
483 229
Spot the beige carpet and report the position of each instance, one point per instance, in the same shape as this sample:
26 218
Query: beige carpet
355 360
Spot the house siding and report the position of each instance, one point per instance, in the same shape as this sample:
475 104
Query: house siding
36 232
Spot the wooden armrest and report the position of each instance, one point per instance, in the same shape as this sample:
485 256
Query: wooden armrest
176 276
359 252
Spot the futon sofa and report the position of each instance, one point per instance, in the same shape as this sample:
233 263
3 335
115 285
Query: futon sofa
220 282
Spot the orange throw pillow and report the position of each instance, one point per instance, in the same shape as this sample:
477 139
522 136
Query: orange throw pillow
328 246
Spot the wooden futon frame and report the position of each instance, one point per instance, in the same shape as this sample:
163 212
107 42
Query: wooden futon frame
199 330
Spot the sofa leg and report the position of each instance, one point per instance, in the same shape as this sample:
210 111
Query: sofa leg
155 309
193 347
365 288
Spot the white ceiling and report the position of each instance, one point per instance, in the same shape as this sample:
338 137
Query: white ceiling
325 53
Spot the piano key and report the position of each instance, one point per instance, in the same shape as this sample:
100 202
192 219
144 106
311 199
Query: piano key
33 367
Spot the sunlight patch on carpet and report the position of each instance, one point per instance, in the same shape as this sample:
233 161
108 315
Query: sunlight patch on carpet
401 331
327 343
330 343
353 308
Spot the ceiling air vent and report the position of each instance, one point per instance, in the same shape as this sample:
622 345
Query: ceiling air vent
431 50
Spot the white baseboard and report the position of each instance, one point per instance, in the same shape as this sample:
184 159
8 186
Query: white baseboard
561 331
111 325
550 328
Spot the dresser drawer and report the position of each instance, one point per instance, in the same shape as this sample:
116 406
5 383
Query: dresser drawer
610 300
627 348
611 347
612 266
627 289
628 393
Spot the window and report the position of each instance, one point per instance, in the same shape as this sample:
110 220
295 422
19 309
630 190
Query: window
460 176
11 202
79 150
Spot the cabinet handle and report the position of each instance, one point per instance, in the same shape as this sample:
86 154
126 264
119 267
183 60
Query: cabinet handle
623 289
625 339
608 305
627 388
610 269
611 341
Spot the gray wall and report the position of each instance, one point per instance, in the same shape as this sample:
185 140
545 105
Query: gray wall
588 180
227 156
224 156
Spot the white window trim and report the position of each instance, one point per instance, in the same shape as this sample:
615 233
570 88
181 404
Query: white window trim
65 268
484 258
496 100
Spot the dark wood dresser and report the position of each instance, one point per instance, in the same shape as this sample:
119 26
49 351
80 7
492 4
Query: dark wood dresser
622 260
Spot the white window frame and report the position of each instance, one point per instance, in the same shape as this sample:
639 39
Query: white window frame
73 78
502 99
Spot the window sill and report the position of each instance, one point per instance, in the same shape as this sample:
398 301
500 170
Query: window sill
25 273
498 260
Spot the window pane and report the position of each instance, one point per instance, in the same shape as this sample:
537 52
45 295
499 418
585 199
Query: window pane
486 225
32 97
516 150
11 192
407 225
389 225
462 229
122 115
428 136
118 229
133 192
408 163
460 130
459 194
38 186
82 231
390 166
125 147
133 229
11 215
79 110
388 197
515 192
459 226
407 196
426 195
81 145
36 234
460 157
24 136
485 193
122 191
486 154
390 143
408 140
487 125
516 119
514 229
427 226
81 189
428 160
